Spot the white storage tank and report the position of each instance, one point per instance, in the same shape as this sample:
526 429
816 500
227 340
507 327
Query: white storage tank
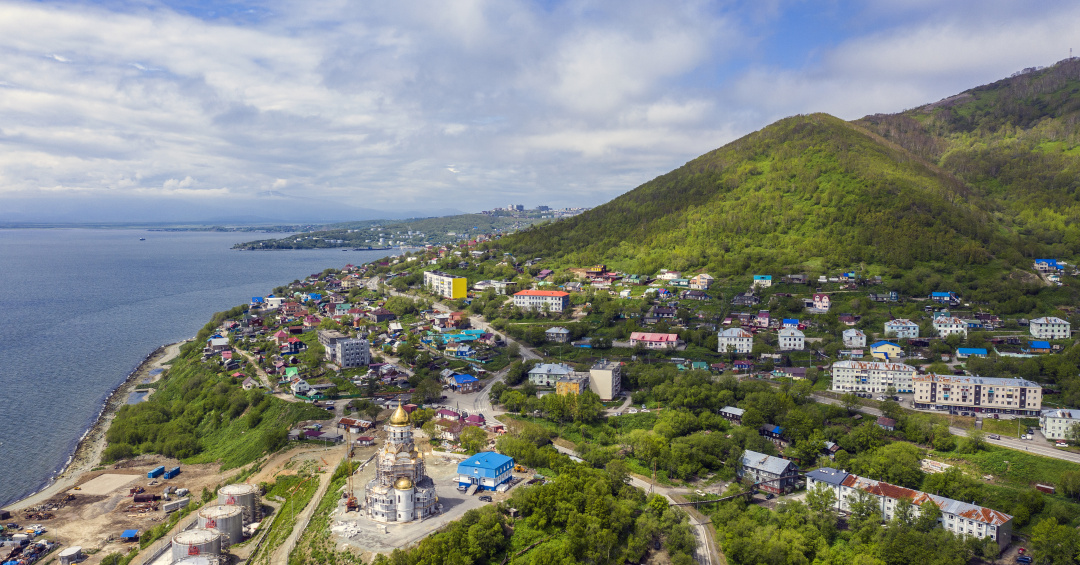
241 494
71 555
196 542
198 560
229 520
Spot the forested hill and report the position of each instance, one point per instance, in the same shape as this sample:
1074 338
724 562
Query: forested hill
1016 142
989 175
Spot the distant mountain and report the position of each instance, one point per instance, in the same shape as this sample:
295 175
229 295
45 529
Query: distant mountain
986 176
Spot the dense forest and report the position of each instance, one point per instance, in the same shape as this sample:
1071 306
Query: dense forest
987 179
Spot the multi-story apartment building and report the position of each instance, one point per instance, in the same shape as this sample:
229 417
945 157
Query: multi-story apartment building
1049 327
948 325
872 376
346 351
446 285
735 340
790 339
605 379
978 394
541 300
1056 424
901 328
958 517
773 473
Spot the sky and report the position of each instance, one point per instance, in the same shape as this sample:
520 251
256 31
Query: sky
187 110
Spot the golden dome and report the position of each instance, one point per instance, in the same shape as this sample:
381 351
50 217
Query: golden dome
404 483
400 417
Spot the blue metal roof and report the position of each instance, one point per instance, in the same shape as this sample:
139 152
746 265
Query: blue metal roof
881 343
130 534
464 379
1039 344
971 351
485 464
791 321
256 300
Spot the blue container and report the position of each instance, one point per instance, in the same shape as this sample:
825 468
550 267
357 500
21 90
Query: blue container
157 472
172 472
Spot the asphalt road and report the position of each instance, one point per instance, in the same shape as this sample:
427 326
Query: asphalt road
1036 446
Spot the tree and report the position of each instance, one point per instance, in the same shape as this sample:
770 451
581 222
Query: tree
513 350
850 402
1054 544
822 502
929 514
473 439
976 439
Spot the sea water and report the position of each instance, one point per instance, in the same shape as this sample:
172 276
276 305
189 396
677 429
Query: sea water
81 308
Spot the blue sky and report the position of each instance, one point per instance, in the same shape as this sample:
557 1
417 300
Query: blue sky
144 110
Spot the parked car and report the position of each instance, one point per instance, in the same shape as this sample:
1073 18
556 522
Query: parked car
993 436
997 416
1024 559
485 499
1061 444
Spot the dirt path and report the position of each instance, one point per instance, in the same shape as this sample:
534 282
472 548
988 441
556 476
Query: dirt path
281 554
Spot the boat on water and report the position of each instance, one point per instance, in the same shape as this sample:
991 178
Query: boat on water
142 239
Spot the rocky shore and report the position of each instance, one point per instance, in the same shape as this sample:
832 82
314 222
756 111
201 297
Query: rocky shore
88 452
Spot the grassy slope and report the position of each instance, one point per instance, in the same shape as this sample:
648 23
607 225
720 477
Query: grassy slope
807 189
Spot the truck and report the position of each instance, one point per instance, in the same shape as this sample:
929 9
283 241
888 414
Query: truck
156 472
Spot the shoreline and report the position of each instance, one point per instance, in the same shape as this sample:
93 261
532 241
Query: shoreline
90 447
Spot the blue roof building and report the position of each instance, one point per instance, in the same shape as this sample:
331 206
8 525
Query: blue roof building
965 352
1039 345
256 300
791 322
487 470
466 383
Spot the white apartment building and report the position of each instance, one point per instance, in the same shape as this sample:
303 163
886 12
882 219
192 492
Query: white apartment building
736 340
854 338
542 300
1056 424
872 376
958 517
948 325
901 328
791 339
352 352
978 394
1049 327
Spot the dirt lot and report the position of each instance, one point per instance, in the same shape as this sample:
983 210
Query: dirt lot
99 507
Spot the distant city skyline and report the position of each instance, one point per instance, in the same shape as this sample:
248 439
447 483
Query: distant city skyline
189 110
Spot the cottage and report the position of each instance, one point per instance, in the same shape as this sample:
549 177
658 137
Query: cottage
746 299
822 302
701 282
732 414
887 424
466 383
762 281
947 298
557 335
654 340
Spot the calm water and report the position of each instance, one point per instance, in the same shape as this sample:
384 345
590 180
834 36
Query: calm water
79 309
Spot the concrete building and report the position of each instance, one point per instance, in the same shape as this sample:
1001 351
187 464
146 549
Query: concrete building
978 394
605 379
654 340
446 285
486 470
557 335
958 517
735 340
1050 327
886 350
346 351
1056 424
791 339
949 325
901 328
854 338
542 300
872 376
401 490
776 475
546 374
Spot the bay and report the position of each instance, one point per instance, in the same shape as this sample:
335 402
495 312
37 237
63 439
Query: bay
81 308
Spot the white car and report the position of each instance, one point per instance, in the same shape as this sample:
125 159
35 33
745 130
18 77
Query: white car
1061 444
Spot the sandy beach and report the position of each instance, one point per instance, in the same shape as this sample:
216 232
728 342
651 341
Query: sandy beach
87 454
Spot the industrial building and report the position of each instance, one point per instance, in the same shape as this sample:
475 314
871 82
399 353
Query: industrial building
958 517
486 470
446 285
978 394
872 376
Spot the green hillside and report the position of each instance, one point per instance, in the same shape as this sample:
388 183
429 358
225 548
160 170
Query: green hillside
1016 142
987 177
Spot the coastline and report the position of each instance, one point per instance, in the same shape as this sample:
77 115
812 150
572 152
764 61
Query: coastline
89 449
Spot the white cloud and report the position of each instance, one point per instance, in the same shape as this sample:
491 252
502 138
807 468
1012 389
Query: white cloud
459 103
